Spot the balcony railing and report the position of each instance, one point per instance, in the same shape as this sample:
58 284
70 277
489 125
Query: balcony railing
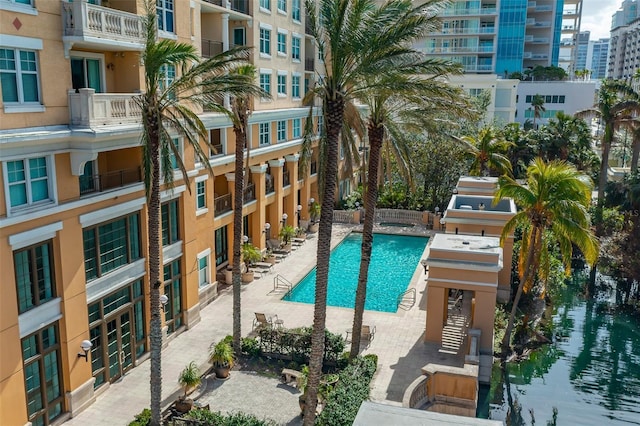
475 30
109 180
211 48
82 20
89 109
314 167
460 49
250 193
222 204
241 6
216 150
286 179
270 188
309 65
477 11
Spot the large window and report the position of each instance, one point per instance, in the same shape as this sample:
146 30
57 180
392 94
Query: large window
170 229
201 195
34 276
222 245
265 82
173 290
164 10
204 274
43 381
265 4
295 48
265 41
28 181
295 10
86 73
282 6
295 86
282 43
167 76
111 245
19 76
282 84
297 128
282 131
264 132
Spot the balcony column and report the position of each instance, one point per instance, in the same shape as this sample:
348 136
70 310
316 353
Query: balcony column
225 45
276 209
259 173
291 204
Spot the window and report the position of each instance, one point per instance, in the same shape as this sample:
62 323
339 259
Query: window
86 73
321 128
164 11
295 48
295 10
34 276
173 290
201 195
554 99
222 245
174 160
282 84
561 99
282 43
264 132
167 76
297 128
265 82
169 219
295 86
528 99
265 41
43 381
203 270
111 245
265 4
282 131
28 181
282 6
19 76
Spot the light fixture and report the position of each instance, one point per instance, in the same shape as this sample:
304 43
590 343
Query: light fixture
298 209
284 219
357 205
437 210
245 239
312 200
164 299
455 191
424 265
86 347
267 227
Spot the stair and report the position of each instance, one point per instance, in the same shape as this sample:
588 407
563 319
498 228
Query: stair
484 372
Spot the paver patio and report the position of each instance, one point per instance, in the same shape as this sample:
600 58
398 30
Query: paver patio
398 344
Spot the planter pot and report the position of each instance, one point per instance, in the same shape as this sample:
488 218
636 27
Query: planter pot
287 247
222 372
270 259
302 236
313 228
228 276
302 401
184 405
247 277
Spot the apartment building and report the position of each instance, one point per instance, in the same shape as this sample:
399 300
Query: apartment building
597 56
623 61
72 211
582 50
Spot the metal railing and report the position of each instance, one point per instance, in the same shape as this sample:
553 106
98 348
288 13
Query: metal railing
309 65
286 179
211 48
241 6
281 283
217 150
270 188
222 204
109 180
407 299
250 193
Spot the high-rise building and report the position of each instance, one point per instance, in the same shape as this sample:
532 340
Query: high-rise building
582 49
597 57
624 54
505 36
72 203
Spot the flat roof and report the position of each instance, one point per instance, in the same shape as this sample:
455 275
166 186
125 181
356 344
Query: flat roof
373 413
466 243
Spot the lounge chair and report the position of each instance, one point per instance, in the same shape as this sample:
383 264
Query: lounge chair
276 248
261 320
366 335
263 266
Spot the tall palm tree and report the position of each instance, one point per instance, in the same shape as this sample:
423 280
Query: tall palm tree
416 86
356 39
537 102
166 110
488 151
553 210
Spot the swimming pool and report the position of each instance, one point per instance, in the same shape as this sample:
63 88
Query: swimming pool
393 261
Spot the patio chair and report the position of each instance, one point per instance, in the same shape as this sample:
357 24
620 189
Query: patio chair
366 335
261 320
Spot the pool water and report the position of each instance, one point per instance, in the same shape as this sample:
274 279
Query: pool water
393 261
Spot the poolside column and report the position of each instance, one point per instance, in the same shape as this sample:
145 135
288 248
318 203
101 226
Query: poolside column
276 208
292 200
259 216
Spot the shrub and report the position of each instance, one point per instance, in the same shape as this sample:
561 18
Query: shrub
250 346
295 344
142 419
215 418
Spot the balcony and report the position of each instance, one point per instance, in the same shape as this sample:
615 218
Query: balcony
241 6
270 188
210 48
309 65
222 204
97 27
110 180
249 193
467 12
476 30
286 179
89 109
460 49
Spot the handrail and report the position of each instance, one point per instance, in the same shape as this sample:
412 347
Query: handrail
412 299
279 281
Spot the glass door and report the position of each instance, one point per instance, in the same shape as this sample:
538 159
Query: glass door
119 345
86 73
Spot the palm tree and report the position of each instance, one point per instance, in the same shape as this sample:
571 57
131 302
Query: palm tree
356 39
415 87
537 102
553 210
165 110
488 152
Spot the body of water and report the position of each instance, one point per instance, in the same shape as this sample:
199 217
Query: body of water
394 259
590 375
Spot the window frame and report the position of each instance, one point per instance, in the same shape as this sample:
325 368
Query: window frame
296 11
281 6
295 50
206 256
265 81
32 283
201 196
28 182
172 211
296 128
162 12
264 133
281 84
265 41
282 43
295 87
281 131
19 79
265 6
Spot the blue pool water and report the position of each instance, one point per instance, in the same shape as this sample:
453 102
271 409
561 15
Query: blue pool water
393 261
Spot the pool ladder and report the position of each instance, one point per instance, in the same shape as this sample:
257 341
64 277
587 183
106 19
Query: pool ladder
407 299
280 283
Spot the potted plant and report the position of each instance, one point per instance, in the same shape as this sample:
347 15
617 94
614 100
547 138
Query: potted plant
250 255
222 359
314 215
301 233
286 234
189 378
302 386
269 257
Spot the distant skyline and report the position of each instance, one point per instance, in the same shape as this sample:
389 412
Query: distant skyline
596 17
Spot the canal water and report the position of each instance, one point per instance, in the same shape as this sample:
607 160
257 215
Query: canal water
590 375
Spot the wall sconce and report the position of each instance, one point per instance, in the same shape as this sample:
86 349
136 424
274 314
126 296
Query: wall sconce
245 239
437 210
312 200
86 347
111 66
298 210
163 301
284 219
424 264
267 227
455 191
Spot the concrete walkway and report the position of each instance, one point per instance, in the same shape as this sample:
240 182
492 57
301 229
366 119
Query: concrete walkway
398 344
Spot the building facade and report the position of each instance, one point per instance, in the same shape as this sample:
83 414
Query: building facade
72 204
597 57
624 53
582 49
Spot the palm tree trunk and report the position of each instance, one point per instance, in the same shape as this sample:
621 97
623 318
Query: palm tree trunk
635 153
238 203
376 134
155 325
604 166
335 114
528 275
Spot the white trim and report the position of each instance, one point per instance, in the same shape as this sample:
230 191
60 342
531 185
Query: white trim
17 108
200 212
39 317
203 253
458 264
112 212
166 34
201 178
266 26
283 72
18 8
265 55
20 42
296 73
266 71
471 283
265 10
170 194
171 252
283 31
35 235
115 280
30 206
295 34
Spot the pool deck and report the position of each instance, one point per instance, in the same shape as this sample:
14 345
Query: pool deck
398 340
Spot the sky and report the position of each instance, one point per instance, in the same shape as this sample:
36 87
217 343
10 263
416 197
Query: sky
596 17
